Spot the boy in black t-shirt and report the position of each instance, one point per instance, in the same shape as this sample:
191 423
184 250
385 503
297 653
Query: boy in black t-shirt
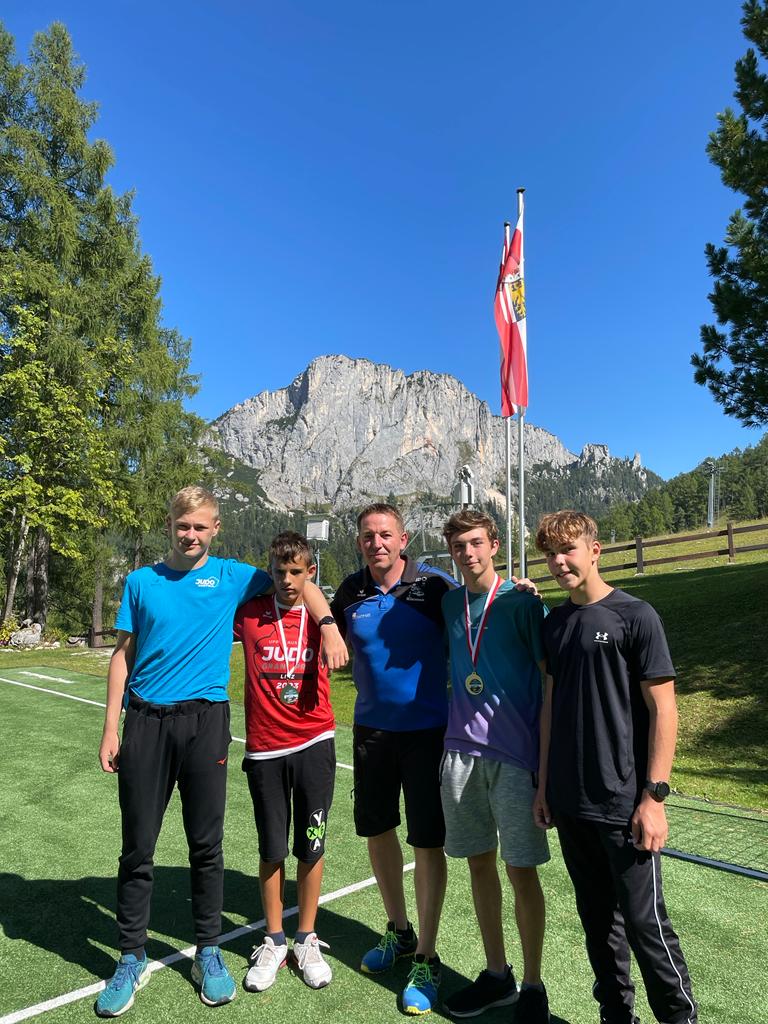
608 731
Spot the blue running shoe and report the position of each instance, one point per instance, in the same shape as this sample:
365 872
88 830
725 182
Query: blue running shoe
130 975
420 994
392 945
209 973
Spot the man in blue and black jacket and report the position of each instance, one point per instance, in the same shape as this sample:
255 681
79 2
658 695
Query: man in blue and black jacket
390 614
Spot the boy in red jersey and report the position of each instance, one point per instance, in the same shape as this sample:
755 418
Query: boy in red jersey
290 758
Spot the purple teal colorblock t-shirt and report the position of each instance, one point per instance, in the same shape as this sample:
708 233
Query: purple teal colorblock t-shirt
502 721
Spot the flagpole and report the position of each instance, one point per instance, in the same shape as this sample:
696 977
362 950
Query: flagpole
520 425
508 433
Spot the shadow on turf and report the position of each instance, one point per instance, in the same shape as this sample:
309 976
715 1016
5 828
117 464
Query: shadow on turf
72 918
348 939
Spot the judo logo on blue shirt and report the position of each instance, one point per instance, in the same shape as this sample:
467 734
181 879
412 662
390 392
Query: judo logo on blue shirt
209 581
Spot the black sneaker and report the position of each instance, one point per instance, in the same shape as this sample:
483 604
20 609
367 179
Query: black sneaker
532 1006
485 992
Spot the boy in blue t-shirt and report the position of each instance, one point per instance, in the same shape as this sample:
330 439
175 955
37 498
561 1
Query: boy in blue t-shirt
170 669
487 783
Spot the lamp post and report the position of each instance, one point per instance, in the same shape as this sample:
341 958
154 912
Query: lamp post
711 467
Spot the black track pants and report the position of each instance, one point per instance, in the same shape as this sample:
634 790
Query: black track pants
621 906
184 743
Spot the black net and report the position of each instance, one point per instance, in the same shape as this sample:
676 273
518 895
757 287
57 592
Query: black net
734 837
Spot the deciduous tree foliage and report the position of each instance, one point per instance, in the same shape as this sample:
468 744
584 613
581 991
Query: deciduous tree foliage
91 405
733 362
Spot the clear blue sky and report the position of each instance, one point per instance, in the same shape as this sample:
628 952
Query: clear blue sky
322 178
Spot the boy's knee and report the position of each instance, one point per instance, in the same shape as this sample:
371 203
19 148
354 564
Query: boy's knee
523 879
483 863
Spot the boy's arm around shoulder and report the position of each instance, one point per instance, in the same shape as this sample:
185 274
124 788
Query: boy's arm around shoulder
334 652
120 665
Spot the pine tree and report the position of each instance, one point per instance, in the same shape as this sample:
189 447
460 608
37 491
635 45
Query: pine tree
734 360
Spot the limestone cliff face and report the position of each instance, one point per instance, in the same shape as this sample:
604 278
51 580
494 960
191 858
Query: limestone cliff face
349 429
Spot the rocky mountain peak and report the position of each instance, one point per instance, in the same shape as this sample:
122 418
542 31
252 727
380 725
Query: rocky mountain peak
346 430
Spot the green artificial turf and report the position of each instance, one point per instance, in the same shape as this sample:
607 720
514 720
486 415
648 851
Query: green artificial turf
59 844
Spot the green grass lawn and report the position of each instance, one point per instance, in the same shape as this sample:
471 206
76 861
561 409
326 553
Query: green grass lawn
59 844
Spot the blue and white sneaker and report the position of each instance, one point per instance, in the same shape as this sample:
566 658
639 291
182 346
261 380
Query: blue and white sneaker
130 975
420 993
392 945
209 973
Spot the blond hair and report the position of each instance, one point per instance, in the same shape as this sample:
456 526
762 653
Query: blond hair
189 499
558 528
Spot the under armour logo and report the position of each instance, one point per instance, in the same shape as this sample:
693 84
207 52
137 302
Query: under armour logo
601 638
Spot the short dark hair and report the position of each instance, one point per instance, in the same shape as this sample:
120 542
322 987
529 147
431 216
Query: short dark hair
290 546
556 528
467 519
381 508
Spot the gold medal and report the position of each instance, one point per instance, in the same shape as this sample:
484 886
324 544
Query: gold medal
474 684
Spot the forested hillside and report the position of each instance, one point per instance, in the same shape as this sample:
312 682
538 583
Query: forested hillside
741 492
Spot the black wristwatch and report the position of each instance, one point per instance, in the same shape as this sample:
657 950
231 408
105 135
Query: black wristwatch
658 790
327 620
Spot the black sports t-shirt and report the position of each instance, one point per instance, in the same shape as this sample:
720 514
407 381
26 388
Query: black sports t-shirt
598 654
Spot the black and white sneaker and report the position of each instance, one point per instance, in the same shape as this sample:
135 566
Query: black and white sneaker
486 991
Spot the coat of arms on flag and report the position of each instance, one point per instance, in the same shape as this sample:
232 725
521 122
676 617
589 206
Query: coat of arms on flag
509 311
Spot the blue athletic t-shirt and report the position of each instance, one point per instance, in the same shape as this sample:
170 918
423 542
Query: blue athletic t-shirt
399 666
182 622
502 721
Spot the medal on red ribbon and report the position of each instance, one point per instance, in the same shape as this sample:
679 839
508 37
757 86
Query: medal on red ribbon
289 694
474 683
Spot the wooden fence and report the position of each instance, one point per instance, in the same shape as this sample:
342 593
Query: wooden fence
639 546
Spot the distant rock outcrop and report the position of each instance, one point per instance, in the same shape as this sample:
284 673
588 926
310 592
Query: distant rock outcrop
349 429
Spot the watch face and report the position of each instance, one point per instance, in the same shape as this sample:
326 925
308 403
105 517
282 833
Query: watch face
662 790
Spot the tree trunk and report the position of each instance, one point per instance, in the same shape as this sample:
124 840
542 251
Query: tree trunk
38 593
97 622
14 567
29 589
138 550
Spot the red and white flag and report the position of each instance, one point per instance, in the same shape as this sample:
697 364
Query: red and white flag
509 311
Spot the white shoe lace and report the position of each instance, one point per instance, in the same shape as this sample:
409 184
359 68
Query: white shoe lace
309 951
262 954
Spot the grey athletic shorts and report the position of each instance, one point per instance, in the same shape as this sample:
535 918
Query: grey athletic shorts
486 803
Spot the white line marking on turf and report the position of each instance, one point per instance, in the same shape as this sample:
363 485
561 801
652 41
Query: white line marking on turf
42 689
51 679
183 954
99 704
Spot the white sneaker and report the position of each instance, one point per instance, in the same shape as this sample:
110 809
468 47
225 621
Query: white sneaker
267 961
315 971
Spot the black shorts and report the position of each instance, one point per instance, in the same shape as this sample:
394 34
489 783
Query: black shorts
386 761
307 776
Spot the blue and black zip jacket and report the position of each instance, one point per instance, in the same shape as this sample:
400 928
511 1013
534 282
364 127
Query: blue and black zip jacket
400 663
